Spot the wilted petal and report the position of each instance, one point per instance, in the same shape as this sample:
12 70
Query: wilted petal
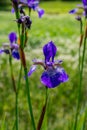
14 46
49 51
32 69
15 54
54 77
12 37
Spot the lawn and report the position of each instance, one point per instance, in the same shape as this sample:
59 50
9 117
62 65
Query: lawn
62 28
58 7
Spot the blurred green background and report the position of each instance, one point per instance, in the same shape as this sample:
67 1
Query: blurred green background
62 28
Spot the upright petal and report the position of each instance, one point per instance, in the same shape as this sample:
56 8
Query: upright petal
12 37
49 51
33 3
54 77
84 2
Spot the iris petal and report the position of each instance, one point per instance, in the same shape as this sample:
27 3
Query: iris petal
15 54
1 51
32 69
49 51
14 46
40 12
23 1
73 11
84 2
12 10
54 77
33 3
12 37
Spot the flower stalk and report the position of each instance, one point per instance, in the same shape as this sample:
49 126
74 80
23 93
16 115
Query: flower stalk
15 90
81 67
43 112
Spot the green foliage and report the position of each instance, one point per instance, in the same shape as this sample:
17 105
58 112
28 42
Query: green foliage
62 100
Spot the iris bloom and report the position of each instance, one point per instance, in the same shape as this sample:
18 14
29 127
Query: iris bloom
80 10
53 74
32 4
84 2
85 6
12 48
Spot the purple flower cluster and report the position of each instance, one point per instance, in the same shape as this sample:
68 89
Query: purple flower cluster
11 48
31 4
80 10
53 74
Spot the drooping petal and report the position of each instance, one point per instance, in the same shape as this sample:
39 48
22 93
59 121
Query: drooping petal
1 51
40 12
15 54
32 69
49 51
4 51
54 77
12 37
73 11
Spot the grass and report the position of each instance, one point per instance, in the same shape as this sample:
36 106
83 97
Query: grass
57 7
63 29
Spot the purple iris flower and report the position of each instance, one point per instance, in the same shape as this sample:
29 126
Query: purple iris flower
33 4
53 74
12 48
84 2
85 7
80 10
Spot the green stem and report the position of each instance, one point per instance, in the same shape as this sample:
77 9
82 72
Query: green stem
84 123
15 90
80 84
17 93
43 112
23 61
19 79
16 96
28 98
